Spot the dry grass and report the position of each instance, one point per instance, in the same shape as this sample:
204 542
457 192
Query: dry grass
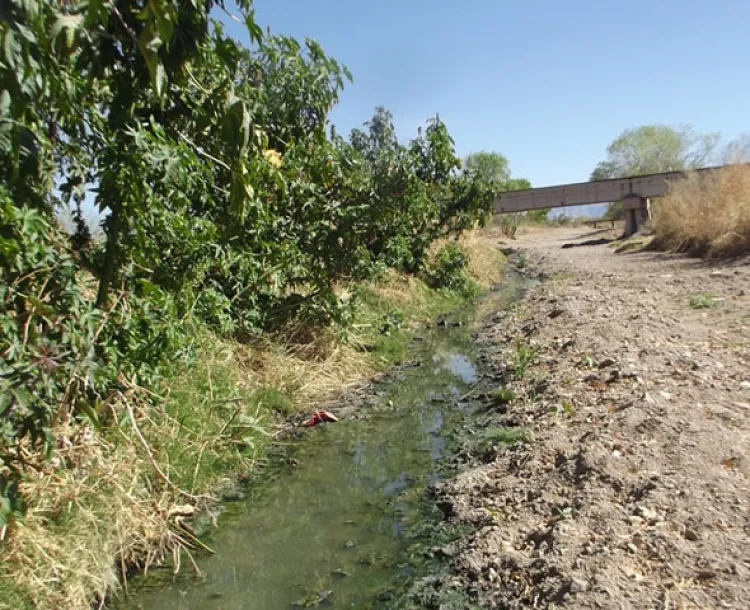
91 512
307 372
101 506
632 244
707 215
485 260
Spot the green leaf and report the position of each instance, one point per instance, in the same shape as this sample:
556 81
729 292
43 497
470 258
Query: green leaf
69 24
10 48
160 79
40 307
90 414
94 13
254 31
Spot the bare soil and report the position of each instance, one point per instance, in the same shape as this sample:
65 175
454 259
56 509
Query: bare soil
633 491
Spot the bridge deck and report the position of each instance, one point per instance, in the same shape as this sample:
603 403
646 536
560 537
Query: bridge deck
584 193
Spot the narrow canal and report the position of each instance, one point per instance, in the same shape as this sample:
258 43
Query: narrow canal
346 525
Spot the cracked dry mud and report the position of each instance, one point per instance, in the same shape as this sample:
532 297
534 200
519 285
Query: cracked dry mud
634 490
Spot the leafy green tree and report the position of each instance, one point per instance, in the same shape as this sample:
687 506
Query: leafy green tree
227 202
651 149
516 184
380 137
492 167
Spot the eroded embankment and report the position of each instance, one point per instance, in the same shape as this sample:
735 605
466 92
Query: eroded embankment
612 472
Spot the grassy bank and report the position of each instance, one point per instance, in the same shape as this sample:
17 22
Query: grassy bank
706 215
123 496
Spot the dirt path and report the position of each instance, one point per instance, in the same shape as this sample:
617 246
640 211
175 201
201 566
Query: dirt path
634 491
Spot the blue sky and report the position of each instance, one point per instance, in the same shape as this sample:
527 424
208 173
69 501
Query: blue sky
548 83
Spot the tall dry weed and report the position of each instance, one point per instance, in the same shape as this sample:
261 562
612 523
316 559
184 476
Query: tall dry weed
91 513
706 214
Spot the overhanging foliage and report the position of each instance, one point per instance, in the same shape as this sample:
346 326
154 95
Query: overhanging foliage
228 200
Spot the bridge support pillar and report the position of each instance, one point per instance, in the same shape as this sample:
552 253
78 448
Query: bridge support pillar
636 213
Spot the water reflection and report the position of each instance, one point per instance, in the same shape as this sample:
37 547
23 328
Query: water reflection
461 366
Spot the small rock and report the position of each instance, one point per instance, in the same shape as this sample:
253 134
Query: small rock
691 535
649 515
578 585
745 385
740 570
233 495
555 313
606 363
635 520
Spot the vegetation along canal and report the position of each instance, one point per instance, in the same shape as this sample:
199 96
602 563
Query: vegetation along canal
347 526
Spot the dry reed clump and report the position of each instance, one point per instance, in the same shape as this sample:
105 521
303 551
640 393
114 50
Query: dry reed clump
309 371
707 215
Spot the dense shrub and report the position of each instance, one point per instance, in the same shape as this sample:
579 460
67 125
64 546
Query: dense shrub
226 197
450 270
61 356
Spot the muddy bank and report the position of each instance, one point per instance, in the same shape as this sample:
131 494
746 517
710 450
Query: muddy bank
612 472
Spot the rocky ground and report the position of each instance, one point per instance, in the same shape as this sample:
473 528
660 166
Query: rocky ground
631 375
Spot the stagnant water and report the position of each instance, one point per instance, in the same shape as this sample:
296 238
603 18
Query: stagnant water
343 527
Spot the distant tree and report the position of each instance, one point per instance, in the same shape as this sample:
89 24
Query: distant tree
604 170
493 167
651 149
738 150
516 184
379 137
538 216
490 166
509 222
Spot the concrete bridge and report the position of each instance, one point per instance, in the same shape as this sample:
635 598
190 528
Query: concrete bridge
634 192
